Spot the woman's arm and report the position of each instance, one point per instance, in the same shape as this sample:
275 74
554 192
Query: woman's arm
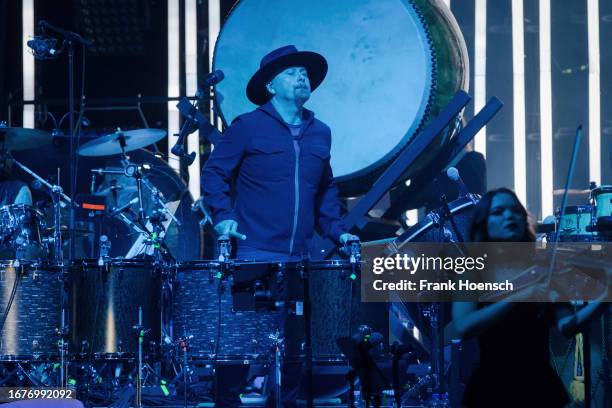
571 323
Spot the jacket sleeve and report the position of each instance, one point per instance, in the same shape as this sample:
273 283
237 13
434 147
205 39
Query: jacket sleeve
328 207
221 169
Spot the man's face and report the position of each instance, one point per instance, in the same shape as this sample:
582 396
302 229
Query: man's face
291 85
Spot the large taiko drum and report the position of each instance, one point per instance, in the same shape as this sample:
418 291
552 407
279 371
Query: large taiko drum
392 65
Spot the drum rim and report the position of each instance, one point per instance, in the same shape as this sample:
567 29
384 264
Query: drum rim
8 207
90 262
606 188
574 207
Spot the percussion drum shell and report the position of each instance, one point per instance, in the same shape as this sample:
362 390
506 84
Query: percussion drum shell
196 299
35 312
105 301
602 196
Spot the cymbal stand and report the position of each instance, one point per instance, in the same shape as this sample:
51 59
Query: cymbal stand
158 196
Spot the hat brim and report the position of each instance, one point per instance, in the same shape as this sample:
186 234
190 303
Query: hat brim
315 65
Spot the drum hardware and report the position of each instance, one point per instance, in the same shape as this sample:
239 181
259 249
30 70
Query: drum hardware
183 345
140 332
153 238
198 205
190 125
361 348
105 246
194 119
60 199
224 248
397 353
158 196
278 346
434 313
304 275
63 333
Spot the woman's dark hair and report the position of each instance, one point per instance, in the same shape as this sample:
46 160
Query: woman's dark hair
479 231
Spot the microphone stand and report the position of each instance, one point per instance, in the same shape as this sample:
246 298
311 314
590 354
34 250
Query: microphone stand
69 39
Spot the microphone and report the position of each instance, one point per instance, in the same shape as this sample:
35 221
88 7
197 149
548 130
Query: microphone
42 47
124 207
453 174
214 78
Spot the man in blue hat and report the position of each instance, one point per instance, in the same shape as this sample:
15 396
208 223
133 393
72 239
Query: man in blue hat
277 156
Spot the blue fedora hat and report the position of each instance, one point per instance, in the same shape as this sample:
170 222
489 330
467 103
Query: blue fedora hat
280 59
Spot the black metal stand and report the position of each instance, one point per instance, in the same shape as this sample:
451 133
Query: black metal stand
305 276
357 217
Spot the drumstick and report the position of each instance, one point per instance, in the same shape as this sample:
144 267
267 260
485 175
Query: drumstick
237 235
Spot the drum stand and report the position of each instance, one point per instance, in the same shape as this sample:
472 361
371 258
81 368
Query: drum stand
278 346
184 346
63 332
305 276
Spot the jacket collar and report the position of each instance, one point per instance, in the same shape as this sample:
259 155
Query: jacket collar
308 115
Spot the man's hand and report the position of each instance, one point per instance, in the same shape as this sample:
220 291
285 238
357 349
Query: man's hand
346 237
229 228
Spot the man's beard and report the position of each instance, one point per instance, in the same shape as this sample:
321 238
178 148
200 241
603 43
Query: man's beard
301 95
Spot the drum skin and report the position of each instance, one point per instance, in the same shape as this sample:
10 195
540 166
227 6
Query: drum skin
34 316
392 64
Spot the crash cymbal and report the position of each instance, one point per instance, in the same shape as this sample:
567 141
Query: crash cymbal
13 139
109 145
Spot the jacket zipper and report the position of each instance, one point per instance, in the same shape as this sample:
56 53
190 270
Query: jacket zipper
296 186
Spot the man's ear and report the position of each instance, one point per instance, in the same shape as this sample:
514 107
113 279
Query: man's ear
270 89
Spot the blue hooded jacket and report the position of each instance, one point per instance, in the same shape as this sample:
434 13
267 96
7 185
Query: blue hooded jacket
283 186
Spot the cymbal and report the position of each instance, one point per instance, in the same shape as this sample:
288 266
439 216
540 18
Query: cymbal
108 145
22 138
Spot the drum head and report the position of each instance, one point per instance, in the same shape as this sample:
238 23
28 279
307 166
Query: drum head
381 79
